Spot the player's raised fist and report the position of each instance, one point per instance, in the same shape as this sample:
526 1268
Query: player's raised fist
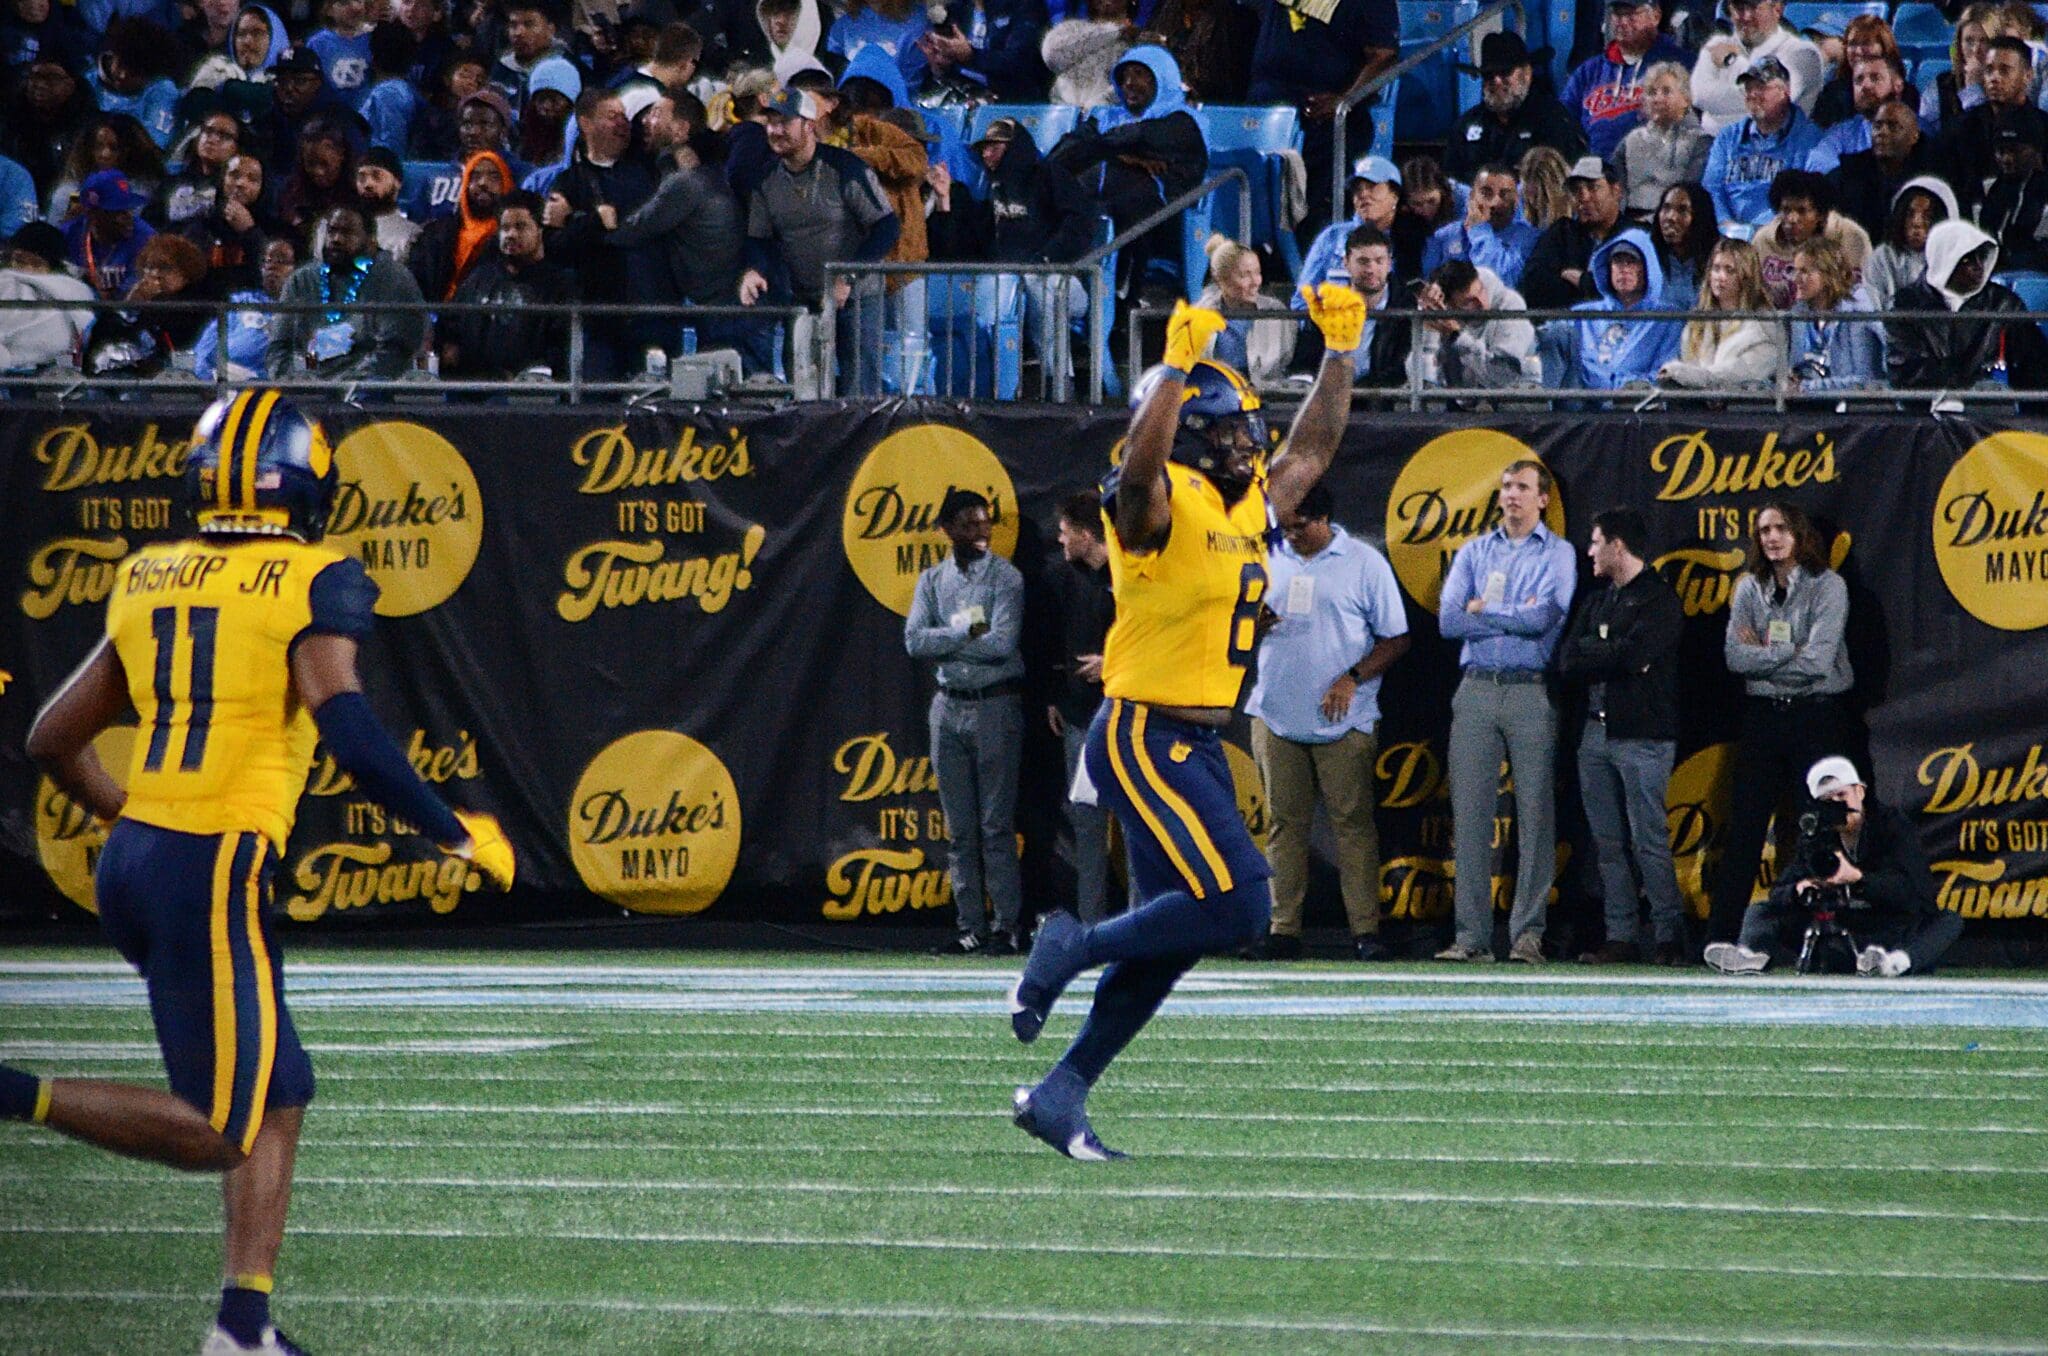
488 849
1188 332
1339 312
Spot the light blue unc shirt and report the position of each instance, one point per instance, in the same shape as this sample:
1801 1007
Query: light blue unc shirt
1532 582
1334 607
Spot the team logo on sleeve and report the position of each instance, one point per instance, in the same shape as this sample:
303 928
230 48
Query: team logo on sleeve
654 824
891 523
408 507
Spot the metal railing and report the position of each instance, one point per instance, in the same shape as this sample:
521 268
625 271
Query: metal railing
574 386
1339 155
1780 393
1056 379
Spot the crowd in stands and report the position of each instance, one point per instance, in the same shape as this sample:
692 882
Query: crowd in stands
718 153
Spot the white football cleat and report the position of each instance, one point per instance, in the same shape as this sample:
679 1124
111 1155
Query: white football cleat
220 1342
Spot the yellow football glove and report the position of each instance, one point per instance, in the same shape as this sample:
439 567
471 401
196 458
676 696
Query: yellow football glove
1188 333
1339 312
489 850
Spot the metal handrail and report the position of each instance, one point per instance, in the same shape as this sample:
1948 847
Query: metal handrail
1342 116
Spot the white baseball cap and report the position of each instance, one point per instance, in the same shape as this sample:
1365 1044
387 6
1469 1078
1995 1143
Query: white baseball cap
1829 773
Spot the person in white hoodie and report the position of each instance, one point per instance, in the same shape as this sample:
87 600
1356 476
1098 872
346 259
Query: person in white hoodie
1478 353
1760 31
1717 354
1897 262
31 340
1972 344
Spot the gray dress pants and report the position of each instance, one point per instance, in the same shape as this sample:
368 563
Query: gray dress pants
976 749
1491 721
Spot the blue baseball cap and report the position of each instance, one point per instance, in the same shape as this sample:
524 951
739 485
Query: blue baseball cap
108 190
1375 169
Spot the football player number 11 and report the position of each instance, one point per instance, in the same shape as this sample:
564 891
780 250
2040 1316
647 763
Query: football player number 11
200 624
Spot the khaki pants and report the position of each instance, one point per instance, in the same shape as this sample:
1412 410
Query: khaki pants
1340 774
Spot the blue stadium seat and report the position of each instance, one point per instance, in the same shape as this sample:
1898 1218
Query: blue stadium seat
1427 102
1250 139
1047 123
1803 15
1926 72
2032 289
952 115
1228 127
428 188
1922 28
1554 26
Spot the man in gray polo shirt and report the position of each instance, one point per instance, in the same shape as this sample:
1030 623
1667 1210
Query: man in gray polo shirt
968 615
819 205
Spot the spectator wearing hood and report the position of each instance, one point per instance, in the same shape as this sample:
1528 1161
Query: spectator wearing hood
1759 33
390 105
1082 49
104 239
552 89
1748 155
872 83
33 339
1559 271
447 248
1483 353
1315 56
131 78
1665 147
991 45
515 280
1513 114
343 48
1866 181
1805 206
236 78
894 26
1976 347
2013 202
1602 351
1716 353
34 30
1606 91
1142 151
1901 256
606 169
530 38
779 29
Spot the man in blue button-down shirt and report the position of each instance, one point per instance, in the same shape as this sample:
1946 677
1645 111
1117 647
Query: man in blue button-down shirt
967 614
1315 712
1491 235
1506 598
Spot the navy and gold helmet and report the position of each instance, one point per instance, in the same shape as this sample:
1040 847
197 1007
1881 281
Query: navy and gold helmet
1214 398
259 466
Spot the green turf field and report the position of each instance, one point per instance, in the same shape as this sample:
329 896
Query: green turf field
520 1154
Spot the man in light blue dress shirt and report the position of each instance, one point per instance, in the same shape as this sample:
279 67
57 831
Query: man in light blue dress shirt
1506 597
1491 235
968 615
1315 713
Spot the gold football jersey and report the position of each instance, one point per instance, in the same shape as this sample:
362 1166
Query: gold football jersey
1186 614
204 629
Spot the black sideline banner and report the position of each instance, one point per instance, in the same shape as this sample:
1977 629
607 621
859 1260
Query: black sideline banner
667 650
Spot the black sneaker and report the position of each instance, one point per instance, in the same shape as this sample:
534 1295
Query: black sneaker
1367 946
1002 944
963 944
1278 946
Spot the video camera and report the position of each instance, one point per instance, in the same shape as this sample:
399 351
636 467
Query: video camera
1820 839
1828 945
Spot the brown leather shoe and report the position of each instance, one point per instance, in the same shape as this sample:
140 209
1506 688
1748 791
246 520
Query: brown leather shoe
1612 953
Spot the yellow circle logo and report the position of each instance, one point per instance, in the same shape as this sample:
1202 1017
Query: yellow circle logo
68 838
654 825
1991 531
1696 815
408 508
1251 792
1443 498
891 524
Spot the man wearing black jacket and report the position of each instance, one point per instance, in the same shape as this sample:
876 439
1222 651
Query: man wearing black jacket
1974 346
1513 114
1622 645
1893 914
608 170
514 280
1085 607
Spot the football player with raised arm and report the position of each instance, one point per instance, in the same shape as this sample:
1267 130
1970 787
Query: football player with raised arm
237 648
1191 513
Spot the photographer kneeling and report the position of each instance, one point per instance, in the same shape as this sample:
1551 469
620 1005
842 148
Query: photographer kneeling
1883 894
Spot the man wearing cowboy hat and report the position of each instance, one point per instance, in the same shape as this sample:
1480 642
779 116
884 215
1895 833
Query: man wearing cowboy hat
1511 115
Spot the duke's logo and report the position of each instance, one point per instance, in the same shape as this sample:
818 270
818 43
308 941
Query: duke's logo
76 460
408 506
68 838
1443 498
654 825
1696 815
891 525
1991 531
